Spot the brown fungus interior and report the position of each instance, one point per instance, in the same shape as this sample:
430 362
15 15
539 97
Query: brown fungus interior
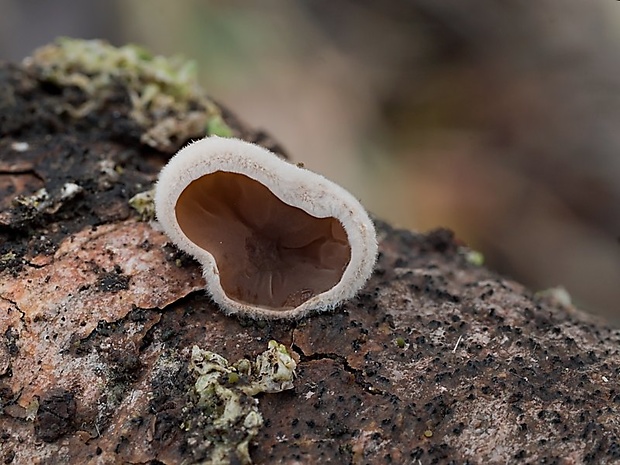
268 253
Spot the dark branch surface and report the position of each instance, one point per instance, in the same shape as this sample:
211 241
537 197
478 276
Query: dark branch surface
436 361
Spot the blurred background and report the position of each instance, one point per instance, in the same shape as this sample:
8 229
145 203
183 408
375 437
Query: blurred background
497 119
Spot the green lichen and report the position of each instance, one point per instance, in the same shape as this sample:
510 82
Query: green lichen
558 295
216 126
165 97
7 257
36 201
43 201
144 204
473 256
233 378
94 65
273 371
223 417
32 409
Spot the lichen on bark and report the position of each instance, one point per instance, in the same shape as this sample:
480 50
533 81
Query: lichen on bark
437 360
223 417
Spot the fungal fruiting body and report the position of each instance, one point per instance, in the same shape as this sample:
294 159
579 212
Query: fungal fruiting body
275 240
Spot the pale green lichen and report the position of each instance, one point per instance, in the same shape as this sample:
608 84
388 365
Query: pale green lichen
224 417
273 371
473 256
164 93
43 202
7 257
216 126
32 409
558 295
36 201
144 204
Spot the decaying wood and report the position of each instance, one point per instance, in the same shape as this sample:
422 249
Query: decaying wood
438 360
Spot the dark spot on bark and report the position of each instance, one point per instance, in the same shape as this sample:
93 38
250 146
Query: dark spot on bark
9 457
113 282
55 417
441 240
11 336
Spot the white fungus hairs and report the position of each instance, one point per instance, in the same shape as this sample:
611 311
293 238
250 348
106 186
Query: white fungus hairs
274 239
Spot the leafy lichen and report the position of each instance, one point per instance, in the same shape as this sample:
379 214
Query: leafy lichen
144 204
165 97
223 417
42 201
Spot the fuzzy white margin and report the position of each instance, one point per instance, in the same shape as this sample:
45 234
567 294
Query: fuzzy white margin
293 185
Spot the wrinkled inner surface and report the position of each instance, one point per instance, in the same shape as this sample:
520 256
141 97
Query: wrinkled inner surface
268 253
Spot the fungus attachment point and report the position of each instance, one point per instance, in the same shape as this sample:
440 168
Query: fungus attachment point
274 240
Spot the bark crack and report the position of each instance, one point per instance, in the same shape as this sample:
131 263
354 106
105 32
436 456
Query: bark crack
357 373
14 304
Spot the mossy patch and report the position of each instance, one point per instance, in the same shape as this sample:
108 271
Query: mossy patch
165 97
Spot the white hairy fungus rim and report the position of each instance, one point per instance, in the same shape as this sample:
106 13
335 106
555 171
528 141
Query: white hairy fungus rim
292 185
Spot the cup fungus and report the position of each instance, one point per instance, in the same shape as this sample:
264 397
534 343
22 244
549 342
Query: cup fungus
274 240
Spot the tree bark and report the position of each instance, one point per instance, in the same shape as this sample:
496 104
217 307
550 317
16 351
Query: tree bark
438 360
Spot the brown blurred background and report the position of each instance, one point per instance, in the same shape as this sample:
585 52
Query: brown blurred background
498 119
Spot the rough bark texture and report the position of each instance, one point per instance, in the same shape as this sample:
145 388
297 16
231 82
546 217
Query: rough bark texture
437 360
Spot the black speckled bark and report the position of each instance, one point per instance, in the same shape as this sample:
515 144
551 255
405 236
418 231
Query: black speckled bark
436 361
